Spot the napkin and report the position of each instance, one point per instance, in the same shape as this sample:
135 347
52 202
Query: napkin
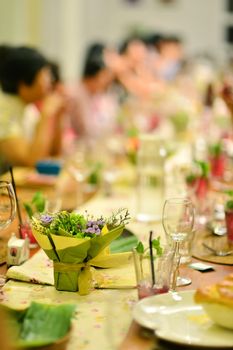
39 269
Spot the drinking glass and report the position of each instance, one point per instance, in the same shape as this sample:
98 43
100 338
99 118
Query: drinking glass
156 282
7 204
178 221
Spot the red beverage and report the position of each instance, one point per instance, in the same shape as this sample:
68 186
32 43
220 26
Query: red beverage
218 166
26 231
145 290
202 186
229 225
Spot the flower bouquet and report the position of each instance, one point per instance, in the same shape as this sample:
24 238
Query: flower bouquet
76 243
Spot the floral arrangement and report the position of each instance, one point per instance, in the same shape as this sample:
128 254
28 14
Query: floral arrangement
199 179
76 243
217 159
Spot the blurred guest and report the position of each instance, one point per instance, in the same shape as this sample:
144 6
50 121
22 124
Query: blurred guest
94 106
227 95
32 111
133 71
25 78
169 56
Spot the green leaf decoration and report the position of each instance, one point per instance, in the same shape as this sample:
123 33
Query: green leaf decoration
156 245
216 149
140 248
37 204
190 178
28 209
229 192
40 324
204 168
229 204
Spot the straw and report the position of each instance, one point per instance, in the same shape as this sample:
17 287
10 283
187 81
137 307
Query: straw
16 198
152 258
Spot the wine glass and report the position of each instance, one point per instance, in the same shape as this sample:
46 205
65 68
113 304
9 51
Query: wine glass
7 204
178 221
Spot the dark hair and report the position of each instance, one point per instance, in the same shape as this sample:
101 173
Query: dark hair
19 64
94 60
126 42
4 50
55 71
153 39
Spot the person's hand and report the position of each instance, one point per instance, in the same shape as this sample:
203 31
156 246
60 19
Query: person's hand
53 104
115 62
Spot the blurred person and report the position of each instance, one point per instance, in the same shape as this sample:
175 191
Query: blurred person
25 78
227 96
169 56
94 107
133 71
33 110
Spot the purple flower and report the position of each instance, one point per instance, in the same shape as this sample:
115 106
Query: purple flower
46 219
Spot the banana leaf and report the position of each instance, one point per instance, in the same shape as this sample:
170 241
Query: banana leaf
39 324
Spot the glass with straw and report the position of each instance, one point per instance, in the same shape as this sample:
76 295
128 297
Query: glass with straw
153 268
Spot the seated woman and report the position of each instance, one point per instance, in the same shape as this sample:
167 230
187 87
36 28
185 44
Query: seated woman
25 78
93 113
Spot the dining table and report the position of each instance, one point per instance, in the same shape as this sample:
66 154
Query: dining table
104 318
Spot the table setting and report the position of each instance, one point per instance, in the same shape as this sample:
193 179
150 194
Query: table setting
112 305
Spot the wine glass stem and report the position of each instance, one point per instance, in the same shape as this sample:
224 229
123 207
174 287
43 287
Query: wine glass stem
177 263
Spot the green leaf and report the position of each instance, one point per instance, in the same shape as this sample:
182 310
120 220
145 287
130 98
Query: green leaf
140 248
28 209
216 149
190 178
204 168
229 204
39 202
157 246
229 192
41 324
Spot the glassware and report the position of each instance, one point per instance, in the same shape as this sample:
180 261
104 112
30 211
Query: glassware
178 221
7 204
163 268
185 249
150 178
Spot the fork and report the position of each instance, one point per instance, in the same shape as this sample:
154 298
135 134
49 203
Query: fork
218 252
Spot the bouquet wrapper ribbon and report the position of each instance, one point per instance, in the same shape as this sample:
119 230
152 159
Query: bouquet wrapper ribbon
74 259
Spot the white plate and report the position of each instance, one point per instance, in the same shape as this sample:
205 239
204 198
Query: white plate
178 319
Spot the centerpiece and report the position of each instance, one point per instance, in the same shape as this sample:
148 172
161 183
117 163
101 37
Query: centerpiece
78 242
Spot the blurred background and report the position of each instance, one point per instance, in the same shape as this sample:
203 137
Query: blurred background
62 29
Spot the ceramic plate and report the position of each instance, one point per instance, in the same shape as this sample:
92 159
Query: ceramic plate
176 318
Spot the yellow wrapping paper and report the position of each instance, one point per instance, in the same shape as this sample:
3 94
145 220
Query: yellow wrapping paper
74 258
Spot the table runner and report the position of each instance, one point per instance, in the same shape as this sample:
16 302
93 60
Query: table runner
102 317
39 269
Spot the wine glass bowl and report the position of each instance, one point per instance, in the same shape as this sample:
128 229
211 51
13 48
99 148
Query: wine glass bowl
7 204
178 221
178 218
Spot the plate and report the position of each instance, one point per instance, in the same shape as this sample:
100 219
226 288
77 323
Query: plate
176 318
